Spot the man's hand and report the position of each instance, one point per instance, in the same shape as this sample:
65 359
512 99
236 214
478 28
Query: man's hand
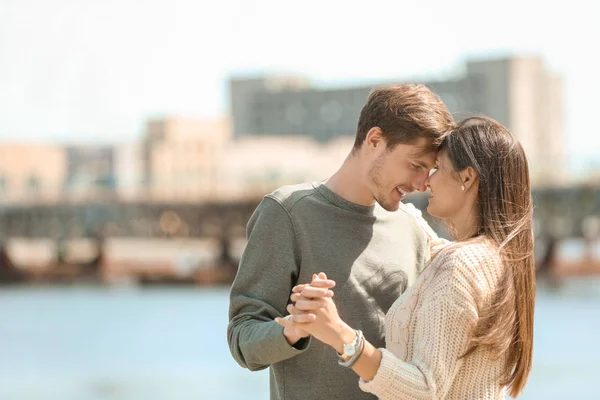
293 335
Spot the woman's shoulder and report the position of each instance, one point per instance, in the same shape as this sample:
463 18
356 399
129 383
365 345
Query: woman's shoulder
471 267
471 253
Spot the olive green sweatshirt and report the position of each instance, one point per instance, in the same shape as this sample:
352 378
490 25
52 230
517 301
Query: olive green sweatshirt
372 254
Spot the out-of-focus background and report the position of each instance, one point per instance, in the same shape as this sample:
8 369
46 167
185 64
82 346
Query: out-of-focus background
137 136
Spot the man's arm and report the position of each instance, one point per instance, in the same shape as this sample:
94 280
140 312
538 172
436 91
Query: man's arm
267 272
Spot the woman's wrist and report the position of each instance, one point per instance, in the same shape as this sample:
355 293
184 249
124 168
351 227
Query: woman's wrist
344 336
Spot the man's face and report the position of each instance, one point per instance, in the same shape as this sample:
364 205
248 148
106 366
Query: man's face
395 173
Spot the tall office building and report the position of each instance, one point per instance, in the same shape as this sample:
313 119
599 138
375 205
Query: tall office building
181 156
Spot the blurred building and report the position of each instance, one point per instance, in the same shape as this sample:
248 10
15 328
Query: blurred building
31 172
255 165
129 170
181 157
250 102
518 91
187 159
90 170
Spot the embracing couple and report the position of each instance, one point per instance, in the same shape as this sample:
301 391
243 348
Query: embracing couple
395 312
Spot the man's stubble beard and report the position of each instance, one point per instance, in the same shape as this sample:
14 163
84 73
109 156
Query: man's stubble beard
375 177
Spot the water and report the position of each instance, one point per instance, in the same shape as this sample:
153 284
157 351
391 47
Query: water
128 343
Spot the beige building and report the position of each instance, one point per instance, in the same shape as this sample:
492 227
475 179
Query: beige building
191 160
31 172
181 157
254 166
519 92
129 174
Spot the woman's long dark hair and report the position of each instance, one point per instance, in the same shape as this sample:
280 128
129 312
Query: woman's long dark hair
505 216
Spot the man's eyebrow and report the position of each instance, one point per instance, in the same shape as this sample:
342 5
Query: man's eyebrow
421 164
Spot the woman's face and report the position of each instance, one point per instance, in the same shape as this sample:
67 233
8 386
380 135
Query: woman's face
447 198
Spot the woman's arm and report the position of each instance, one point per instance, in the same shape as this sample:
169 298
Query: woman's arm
441 335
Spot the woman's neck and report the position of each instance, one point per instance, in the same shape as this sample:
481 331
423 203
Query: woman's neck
465 225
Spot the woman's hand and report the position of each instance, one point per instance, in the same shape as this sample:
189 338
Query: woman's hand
293 335
315 312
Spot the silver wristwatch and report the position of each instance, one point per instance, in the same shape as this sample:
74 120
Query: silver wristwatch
352 351
351 348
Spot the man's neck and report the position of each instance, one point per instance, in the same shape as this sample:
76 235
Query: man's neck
349 182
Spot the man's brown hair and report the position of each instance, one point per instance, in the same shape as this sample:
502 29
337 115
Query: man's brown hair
404 113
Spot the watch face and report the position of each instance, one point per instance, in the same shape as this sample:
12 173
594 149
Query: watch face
349 349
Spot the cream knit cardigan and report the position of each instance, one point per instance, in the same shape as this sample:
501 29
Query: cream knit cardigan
428 328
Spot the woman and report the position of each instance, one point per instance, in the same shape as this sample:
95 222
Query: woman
464 330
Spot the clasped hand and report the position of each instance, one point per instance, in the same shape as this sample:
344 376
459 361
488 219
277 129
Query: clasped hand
312 310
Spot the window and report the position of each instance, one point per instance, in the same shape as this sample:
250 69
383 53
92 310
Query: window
32 184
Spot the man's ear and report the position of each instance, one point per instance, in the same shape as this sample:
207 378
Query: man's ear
375 138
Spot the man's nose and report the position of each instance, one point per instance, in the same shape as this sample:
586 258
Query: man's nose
420 183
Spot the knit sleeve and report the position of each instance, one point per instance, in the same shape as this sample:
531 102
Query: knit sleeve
441 329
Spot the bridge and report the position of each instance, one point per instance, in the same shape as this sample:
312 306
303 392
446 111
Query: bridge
141 219
560 212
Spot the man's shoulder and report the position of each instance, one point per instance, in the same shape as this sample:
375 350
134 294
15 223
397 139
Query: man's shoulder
288 196
406 214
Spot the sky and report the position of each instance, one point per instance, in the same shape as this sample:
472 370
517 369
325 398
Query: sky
96 70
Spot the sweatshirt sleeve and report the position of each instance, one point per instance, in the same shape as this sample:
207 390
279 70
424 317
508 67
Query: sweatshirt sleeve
260 292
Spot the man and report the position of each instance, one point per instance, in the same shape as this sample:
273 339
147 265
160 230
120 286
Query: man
347 228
